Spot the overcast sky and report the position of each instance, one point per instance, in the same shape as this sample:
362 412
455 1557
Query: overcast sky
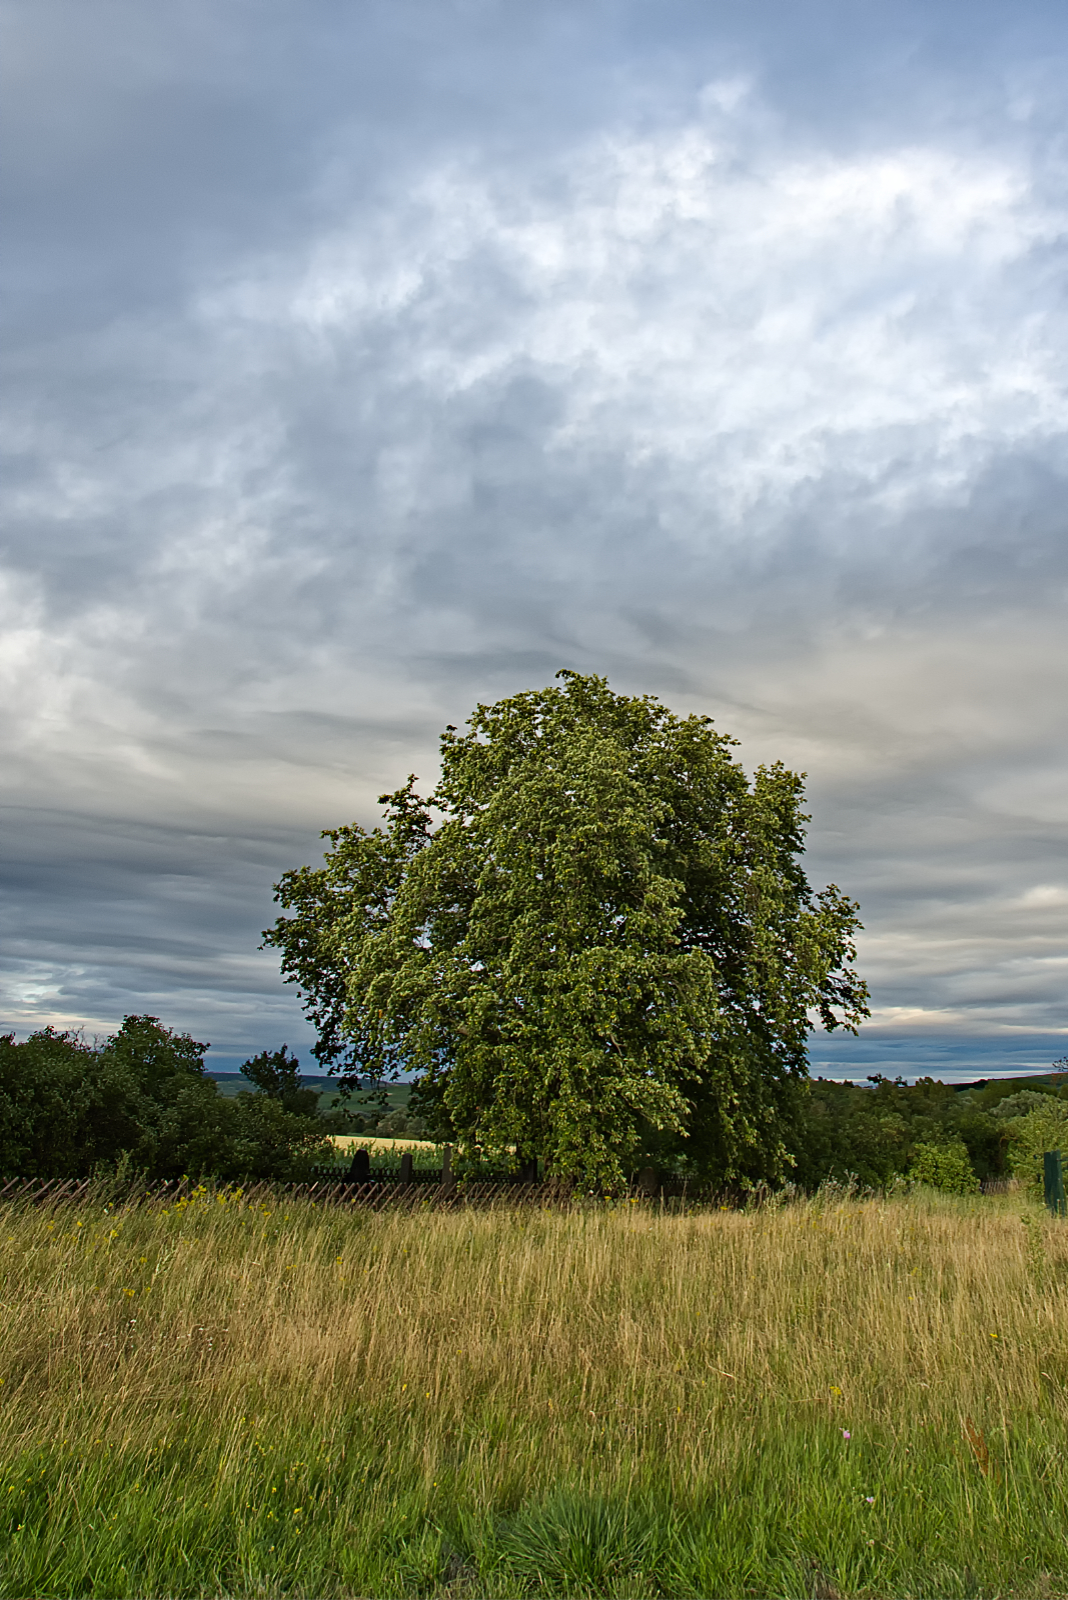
367 360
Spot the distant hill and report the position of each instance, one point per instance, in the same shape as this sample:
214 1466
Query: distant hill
232 1083
988 1091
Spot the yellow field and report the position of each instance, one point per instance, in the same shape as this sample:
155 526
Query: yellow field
349 1141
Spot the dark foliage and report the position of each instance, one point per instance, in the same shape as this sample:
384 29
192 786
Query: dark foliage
872 1133
276 1074
144 1098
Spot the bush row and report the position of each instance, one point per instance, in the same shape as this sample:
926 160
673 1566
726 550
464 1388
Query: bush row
143 1099
930 1132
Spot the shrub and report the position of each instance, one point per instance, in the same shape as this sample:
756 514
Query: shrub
945 1167
1045 1128
872 1132
142 1099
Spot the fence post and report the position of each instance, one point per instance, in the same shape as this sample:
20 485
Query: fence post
447 1180
406 1167
1053 1176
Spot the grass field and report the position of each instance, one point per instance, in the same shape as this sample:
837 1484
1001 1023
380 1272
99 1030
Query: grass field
851 1398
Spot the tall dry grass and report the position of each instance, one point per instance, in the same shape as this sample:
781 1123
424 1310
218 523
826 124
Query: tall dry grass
867 1396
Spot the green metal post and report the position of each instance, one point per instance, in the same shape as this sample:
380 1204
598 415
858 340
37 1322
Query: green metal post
1053 1175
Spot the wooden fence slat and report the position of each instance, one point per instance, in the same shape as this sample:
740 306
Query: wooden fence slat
375 1194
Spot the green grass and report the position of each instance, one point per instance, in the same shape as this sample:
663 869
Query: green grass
216 1398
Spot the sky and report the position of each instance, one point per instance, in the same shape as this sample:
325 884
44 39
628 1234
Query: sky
365 362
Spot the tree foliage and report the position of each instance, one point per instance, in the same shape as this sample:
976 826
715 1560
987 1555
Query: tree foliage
946 1167
596 932
872 1132
143 1096
276 1074
1041 1128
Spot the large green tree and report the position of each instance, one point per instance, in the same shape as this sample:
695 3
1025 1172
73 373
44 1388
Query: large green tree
595 934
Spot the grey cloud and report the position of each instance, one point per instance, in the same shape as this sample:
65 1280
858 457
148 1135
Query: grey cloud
413 395
105 917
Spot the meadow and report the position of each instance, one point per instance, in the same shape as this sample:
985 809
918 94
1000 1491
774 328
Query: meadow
232 1395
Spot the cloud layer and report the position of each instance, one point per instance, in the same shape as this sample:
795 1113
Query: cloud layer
759 409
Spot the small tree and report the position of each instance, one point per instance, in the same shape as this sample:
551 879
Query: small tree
944 1166
276 1074
1041 1129
607 934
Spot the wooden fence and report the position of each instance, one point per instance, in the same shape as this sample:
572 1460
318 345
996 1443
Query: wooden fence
376 1196
428 1191
380 1194
46 1189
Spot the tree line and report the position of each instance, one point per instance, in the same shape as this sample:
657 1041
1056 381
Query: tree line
930 1132
142 1100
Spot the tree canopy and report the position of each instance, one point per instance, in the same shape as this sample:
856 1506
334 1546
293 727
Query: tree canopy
595 934
276 1074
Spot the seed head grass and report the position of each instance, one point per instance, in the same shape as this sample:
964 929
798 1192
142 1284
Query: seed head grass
231 1395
